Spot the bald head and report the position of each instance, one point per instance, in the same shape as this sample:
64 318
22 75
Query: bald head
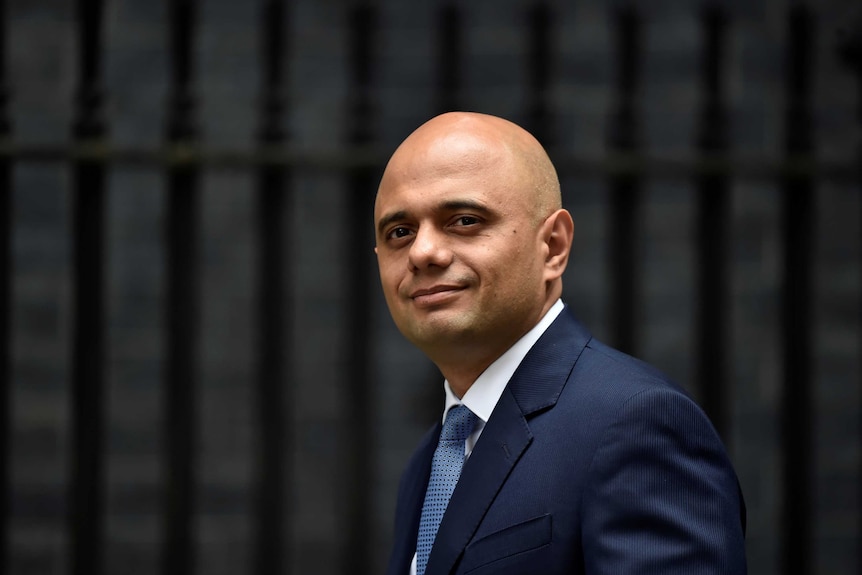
456 141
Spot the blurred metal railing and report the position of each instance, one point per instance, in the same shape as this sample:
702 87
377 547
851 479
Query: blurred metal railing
712 164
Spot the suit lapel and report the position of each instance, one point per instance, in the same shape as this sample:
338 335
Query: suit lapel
536 385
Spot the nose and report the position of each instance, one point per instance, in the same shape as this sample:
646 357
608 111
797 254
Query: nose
429 249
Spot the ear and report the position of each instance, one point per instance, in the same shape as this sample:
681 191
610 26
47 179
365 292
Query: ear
558 232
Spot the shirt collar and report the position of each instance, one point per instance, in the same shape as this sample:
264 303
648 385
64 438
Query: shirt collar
483 395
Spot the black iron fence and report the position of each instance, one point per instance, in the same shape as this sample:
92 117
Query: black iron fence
626 166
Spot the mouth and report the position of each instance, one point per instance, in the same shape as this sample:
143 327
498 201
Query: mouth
435 295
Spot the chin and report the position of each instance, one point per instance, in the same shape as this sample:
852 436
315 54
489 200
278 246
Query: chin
442 335
449 323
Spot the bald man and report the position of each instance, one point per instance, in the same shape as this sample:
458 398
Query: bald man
554 453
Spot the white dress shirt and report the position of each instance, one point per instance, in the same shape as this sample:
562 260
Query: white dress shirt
483 395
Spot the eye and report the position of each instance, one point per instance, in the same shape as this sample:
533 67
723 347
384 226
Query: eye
466 221
399 232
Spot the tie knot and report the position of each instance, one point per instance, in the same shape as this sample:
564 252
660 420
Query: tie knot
459 424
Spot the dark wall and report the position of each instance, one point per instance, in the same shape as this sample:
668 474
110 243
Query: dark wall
561 77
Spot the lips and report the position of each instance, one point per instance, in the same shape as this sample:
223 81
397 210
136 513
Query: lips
435 295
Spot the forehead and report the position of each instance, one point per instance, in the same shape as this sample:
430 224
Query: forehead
446 171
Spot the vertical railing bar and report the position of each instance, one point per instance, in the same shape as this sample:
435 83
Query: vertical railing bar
182 310
6 208
450 51
358 423
849 47
5 352
181 119
713 217
87 434
858 63
181 373
796 324
86 504
625 188
274 349
541 51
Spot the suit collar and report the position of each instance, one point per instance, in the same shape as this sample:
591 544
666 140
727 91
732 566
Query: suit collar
540 378
535 385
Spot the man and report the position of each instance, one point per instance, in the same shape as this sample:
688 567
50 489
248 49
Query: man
572 457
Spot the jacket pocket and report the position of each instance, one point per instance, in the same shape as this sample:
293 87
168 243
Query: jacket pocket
519 538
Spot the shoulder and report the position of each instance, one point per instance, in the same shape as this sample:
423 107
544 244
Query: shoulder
617 399
637 409
610 376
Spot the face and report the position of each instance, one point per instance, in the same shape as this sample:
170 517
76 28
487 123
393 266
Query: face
459 246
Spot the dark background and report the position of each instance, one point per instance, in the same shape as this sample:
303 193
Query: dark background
200 374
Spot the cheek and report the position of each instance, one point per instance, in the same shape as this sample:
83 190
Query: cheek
390 277
517 267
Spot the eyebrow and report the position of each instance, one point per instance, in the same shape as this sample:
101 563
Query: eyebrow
447 206
455 205
388 219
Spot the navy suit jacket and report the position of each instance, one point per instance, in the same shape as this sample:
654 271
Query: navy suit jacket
592 462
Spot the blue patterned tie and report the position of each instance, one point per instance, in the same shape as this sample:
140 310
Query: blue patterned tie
445 471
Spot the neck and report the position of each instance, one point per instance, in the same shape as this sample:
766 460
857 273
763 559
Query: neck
462 362
461 379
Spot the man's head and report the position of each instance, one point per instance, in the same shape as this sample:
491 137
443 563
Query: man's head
471 238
